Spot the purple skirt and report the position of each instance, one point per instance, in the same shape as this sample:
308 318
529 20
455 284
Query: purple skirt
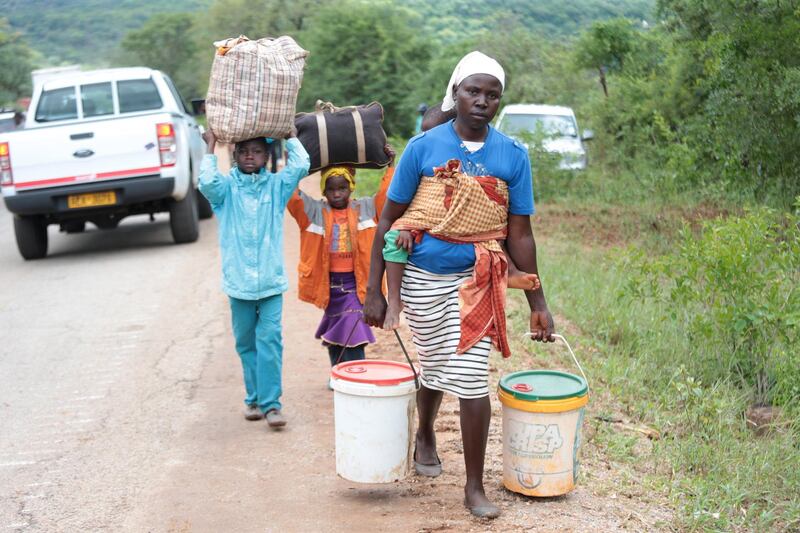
343 314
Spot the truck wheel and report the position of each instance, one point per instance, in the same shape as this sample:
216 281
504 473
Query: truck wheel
31 233
183 219
204 210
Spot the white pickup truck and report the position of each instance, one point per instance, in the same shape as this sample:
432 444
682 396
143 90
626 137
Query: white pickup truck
97 147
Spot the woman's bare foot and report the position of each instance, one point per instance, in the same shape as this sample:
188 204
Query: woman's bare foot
523 280
478 504
392 320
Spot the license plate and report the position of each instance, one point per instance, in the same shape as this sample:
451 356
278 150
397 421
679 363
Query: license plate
92 199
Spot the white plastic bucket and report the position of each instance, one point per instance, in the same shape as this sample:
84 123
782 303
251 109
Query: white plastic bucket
542 418
374 405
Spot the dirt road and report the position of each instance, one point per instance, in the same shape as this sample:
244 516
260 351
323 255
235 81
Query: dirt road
120 400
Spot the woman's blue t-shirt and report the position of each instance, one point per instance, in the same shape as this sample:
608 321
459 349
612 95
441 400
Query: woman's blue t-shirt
500 157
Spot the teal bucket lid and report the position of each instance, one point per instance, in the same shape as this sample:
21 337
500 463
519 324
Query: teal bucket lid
535 385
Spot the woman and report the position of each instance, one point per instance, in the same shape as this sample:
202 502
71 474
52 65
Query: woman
439 267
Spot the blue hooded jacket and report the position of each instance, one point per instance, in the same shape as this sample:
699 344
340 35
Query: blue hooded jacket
249 210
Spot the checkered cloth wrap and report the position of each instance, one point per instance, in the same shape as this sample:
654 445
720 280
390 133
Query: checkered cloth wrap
253 88
456 207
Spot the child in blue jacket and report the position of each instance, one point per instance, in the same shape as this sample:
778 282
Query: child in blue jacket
249 203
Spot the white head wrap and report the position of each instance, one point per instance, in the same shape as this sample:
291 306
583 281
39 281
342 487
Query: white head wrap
472 63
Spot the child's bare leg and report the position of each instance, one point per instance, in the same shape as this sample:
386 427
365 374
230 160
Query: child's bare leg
517 279
394 277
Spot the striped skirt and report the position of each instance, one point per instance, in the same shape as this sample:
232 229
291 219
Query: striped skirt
432 312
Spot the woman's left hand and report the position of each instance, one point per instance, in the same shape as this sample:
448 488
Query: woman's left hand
541 326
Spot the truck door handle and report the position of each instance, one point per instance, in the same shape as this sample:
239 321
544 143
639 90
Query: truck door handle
83 153
79 136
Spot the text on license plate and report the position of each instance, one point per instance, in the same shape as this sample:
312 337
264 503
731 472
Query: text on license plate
93 199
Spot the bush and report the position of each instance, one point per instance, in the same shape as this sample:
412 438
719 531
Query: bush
734 286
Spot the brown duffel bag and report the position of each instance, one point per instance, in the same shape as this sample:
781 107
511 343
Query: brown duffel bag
343 135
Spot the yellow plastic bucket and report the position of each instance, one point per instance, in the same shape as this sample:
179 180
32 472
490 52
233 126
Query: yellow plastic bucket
542 417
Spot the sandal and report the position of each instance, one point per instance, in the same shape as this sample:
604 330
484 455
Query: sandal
427 470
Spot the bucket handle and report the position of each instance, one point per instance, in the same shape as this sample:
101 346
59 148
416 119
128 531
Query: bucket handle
413 368
575 359
399 340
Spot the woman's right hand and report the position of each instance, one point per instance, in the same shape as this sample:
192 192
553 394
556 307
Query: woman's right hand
375 308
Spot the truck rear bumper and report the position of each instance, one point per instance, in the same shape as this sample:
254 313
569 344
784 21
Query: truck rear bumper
134 195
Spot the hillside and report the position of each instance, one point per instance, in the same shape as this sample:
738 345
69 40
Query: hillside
88 31
450 19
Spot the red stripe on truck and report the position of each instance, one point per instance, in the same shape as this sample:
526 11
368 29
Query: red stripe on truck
88 178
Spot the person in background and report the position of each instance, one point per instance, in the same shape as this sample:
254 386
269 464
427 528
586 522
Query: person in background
275 150
452 339
434 116
249 203
336 235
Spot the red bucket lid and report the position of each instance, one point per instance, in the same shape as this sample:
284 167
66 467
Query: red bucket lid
373 372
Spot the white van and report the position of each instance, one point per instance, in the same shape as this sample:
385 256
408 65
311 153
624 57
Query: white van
556 122
97 147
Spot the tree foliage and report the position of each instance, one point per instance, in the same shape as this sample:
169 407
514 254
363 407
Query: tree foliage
165 43
709 97
605 47
16 63
259 18
360 52
86 32
753 87
451 20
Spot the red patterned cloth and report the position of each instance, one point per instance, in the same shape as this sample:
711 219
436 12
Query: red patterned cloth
483 302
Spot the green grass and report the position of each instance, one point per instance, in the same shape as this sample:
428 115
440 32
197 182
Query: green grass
718 473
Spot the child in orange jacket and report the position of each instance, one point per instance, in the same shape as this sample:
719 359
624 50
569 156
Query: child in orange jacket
336 236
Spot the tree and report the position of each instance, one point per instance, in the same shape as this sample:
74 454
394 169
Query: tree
165 42
749 75
16 63
605 46
259 18
361 52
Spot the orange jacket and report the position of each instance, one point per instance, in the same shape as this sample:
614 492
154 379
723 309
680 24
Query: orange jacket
314 219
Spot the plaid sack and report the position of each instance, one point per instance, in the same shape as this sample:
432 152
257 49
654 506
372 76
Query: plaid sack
253 88
343 135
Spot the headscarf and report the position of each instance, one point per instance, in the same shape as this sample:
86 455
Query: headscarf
347 172
472 63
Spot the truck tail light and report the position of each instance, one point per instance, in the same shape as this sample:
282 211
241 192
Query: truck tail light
167 145
6 176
